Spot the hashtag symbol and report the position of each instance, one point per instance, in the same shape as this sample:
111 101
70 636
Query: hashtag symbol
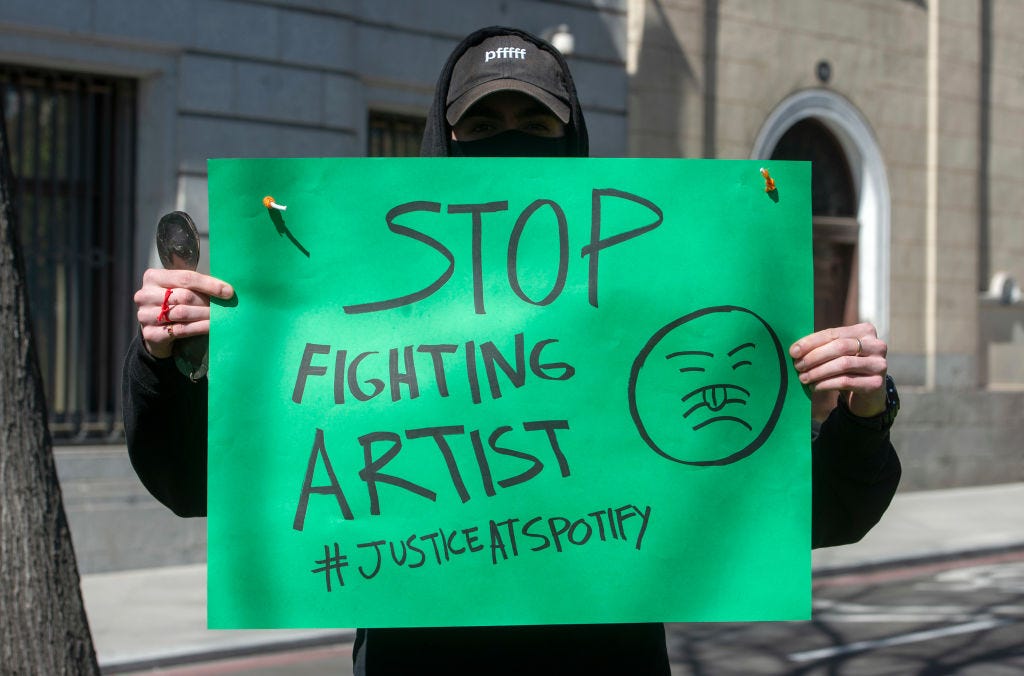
332 563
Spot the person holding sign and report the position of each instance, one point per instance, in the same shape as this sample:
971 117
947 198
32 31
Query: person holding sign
504 92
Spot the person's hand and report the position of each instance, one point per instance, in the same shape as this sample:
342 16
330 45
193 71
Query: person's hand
849 360
184 312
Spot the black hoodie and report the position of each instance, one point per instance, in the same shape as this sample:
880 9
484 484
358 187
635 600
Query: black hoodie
855 473
564 649
437 132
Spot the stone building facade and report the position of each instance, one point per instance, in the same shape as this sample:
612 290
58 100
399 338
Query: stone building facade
181 81
925 99
912 109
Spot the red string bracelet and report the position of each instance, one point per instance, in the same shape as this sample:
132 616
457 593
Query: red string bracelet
164 309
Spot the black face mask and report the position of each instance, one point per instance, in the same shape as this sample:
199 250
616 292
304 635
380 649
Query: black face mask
512 143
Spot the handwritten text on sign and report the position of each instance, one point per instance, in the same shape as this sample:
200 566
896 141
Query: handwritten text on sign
465 398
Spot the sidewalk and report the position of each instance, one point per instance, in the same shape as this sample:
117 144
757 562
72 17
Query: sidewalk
157 616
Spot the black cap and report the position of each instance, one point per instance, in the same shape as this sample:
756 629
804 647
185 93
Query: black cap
506 62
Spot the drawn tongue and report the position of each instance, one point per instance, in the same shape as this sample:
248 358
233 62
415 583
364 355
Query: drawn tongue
715 397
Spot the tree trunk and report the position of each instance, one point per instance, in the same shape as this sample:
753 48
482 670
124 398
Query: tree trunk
43 626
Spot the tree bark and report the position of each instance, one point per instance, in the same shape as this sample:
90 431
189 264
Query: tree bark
43 626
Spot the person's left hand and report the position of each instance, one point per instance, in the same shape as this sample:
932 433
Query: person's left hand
847 359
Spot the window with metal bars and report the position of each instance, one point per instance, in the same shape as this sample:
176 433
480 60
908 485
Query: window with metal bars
394 135
72 152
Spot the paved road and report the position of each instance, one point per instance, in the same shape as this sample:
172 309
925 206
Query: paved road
962 617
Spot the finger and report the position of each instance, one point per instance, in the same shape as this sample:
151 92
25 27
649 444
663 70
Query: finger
155 296
191 329
812 342
851 383
150 315
187 279
858 373
160 339
839 348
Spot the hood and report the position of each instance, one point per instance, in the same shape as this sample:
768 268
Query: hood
437 132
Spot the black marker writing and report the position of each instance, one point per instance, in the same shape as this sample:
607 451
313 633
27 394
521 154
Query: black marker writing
501 539
428 213
403 372
538 440
330 564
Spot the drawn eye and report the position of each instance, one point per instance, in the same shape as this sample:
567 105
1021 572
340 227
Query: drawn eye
690 353
739 348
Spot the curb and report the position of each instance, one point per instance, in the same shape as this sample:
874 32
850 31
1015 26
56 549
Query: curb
915 560
185 657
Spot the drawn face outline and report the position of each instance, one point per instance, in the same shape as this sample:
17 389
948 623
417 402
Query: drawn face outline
722 394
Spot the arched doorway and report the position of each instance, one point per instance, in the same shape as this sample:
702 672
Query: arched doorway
850 195
835 227
859 150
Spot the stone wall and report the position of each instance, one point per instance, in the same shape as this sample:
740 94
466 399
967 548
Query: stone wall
289 78
264 78
677 78
115 523
939 86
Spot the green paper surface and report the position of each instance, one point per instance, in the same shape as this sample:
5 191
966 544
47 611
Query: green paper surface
508 391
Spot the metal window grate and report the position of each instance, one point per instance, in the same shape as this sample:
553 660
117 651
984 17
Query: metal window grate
72 139
394 135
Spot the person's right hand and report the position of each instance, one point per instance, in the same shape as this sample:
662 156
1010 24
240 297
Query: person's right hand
187 307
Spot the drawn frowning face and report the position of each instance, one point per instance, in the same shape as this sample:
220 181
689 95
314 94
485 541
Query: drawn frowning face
708 388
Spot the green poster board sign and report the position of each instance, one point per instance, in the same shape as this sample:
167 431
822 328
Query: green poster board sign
508 391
